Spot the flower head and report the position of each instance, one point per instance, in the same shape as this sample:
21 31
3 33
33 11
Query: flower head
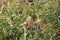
30 1
30 27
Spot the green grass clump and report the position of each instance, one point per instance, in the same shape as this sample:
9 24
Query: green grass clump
29 20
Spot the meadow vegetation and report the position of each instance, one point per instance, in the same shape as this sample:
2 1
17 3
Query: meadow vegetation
29 19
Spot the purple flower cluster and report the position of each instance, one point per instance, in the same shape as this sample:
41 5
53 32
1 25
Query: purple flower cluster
30 1
30 27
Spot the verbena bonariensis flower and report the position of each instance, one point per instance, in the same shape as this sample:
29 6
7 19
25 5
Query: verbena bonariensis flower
30 27
30 1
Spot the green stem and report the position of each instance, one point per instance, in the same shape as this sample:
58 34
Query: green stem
24 33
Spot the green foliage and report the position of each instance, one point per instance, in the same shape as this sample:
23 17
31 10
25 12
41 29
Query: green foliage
11 27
